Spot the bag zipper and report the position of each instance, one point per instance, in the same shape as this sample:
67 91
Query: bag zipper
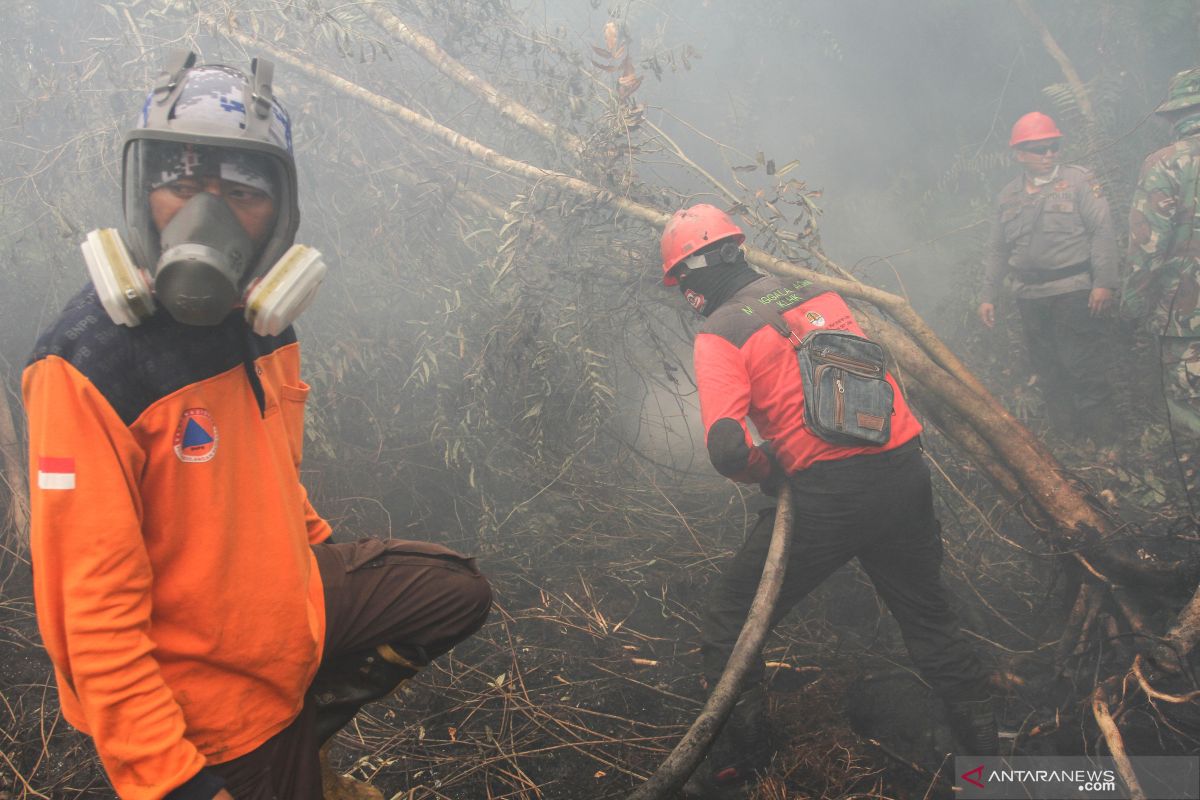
839 401
852 364
840 405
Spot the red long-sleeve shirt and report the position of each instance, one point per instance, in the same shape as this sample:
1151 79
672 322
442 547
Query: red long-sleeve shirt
746 369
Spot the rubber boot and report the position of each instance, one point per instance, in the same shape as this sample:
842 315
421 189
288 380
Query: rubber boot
741 749
345 686
335 786
974 725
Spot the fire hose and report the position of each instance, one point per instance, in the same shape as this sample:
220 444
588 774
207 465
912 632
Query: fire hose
687 755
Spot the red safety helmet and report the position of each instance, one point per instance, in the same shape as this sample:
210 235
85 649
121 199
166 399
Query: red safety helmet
692 229
1033 127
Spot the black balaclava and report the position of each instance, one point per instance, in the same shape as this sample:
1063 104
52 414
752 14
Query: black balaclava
705 289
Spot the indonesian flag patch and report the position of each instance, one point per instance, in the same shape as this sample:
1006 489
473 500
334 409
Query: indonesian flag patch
56 473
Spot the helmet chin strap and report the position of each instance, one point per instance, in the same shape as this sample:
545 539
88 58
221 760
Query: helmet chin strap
170 84
259 97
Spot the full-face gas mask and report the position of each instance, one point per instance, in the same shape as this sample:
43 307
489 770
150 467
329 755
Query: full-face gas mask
210 207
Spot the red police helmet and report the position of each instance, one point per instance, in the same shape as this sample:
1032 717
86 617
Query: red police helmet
692 229
1033 127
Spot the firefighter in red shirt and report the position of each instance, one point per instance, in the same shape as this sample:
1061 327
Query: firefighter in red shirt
204 631
870 502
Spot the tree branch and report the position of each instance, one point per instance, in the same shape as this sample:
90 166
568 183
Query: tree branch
1068 69
13 470
510 109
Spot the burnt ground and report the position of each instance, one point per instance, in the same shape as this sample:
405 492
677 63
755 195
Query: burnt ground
577 688
588 672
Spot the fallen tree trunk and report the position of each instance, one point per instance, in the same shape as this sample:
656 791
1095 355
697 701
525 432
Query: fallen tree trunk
1076 525
1073 514
1182 638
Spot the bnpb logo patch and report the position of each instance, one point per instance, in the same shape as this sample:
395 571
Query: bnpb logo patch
196 436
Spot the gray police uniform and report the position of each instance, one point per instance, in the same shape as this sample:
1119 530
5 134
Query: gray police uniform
1057 244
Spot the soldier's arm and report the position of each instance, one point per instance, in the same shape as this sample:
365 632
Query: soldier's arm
1150 216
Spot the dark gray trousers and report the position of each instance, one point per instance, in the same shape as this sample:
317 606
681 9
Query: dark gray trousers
877 508
1069 349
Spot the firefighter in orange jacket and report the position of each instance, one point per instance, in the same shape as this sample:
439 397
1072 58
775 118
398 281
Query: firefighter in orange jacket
871 502
203 629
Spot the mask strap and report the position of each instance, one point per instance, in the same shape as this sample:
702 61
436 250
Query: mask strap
168 87
258 99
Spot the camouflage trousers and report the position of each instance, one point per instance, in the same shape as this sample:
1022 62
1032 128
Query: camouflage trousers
1180 359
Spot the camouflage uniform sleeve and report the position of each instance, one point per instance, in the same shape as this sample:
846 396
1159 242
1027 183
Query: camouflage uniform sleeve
1093 208
995 263
1150 217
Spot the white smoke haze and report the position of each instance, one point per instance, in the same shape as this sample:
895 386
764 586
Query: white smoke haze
496 365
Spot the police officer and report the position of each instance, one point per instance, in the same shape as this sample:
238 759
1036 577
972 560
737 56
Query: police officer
1053 235
1163 288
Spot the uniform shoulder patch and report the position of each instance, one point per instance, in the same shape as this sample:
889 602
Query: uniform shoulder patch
56 472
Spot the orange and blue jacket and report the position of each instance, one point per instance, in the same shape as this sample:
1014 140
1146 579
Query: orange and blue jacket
176 590
746 368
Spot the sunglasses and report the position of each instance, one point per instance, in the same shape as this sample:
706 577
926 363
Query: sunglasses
1040 149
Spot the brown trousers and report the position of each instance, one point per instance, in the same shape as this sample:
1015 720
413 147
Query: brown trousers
420 598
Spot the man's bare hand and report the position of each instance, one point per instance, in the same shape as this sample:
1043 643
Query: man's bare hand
987 314
1100 301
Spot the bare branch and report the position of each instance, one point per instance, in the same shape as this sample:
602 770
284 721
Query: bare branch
453 69
1064 63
